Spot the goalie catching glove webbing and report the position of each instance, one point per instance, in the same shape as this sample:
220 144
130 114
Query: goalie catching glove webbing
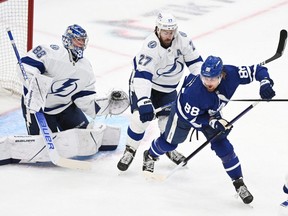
115 103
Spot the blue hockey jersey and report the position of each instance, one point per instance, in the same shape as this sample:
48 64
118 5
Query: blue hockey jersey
197 105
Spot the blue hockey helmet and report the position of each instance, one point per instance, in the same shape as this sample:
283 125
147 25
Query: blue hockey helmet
75 39
212 67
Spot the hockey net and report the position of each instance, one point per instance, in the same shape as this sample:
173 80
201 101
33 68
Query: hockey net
18 16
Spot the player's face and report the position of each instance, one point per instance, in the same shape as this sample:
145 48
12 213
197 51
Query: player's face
79 42
166 37
211 83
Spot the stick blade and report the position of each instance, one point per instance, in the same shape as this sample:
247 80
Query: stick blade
280 48
282 42
73 164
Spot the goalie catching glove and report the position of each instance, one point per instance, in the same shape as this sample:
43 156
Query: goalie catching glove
115 103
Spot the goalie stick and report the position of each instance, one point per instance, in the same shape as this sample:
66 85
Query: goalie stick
278 54
45 130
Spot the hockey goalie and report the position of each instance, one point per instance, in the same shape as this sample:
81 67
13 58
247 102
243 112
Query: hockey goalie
59 83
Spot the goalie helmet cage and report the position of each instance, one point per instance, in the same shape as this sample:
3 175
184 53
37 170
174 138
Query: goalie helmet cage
18 16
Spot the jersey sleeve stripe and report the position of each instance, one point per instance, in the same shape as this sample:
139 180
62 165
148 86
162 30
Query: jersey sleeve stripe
199 59
32 62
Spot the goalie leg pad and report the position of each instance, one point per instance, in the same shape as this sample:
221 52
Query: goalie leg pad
111 138
69 143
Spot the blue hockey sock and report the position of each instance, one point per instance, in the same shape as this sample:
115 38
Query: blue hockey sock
160 146
134 135
232 166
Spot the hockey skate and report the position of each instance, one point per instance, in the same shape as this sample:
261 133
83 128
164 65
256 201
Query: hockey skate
148 162
242 191
126 159
175 156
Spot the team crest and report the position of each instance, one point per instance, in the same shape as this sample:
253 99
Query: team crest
63 88
152 44
54 47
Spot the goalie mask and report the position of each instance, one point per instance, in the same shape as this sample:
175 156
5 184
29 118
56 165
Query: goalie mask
75 40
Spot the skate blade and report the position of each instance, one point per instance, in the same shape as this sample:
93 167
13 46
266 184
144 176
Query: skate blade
248 205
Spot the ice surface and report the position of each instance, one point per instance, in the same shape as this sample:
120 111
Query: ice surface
242 33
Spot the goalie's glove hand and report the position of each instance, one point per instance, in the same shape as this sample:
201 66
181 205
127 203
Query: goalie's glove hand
146 109
118 95
266 90
220 125
119 102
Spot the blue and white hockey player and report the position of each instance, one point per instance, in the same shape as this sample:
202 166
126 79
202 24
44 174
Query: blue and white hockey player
157 71
62 84
198 106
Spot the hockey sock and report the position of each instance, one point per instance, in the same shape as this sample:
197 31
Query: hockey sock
232 166
160 146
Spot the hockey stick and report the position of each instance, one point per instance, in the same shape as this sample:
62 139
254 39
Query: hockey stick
45 131
184 162
260 100
280 48
159 109
279 52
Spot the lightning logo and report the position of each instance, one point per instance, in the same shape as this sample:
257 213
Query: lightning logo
171 70
63 88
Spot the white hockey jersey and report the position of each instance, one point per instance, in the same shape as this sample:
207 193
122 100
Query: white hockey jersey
155 67
72 82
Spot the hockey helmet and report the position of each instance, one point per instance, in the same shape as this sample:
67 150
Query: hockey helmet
212 67
79 34
166 21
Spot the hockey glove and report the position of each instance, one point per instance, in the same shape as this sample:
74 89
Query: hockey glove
119 102
146 109
220 125
38 89
266 90
114 104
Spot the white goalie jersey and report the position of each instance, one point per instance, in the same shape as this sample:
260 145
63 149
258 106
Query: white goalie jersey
155 67
71 82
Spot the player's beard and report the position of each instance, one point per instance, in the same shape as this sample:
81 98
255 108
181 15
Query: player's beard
166 43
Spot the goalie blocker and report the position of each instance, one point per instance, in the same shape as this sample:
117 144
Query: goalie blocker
69 143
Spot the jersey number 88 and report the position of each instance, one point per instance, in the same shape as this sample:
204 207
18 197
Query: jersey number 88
194 111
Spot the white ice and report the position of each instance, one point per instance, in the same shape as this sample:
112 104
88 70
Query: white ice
242 33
